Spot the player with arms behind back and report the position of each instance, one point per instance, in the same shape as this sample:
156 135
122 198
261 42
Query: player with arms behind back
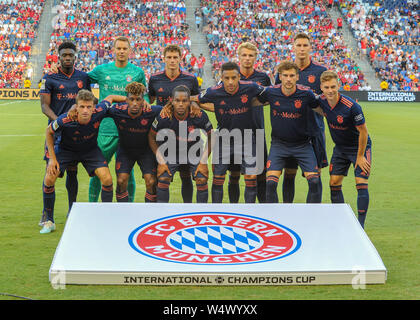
353 145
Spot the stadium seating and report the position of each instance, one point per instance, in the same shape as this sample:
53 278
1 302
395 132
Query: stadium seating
271 25
19 24
93 25
389 34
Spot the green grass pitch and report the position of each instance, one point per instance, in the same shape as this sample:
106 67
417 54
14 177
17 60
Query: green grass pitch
393 221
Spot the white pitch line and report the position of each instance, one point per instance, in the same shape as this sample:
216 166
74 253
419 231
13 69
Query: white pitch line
12 102
21 114
20 135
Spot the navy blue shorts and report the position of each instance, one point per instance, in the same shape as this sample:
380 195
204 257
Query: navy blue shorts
283 153
237 167
90 159
319 146
190 168
57 139
342 159
125 161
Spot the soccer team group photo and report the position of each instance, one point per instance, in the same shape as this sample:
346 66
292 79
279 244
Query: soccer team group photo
262 141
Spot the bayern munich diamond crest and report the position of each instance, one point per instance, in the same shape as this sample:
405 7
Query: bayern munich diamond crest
214 238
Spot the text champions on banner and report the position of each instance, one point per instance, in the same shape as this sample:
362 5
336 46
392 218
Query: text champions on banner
27 94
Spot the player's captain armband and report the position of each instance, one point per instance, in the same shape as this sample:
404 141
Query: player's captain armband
54 125
43 84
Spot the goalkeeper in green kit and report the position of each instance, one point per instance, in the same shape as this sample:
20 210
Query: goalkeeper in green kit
112 78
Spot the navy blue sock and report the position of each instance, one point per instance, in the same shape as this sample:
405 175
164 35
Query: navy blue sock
337 194
250 194
362 202
313 192
202 193
261 189
217 189
271 187
162 192
186 188
72 186
233 189
48 195
149 197
288 187
107 193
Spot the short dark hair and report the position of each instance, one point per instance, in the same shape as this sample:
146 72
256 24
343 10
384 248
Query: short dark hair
67 45
302 35
181 88
172 48
122 38
230 66
287 65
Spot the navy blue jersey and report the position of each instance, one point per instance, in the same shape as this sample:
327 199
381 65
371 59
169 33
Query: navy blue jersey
291 116
133 132
233 111
189 124
342 119
161 86
311 77
80 137
63 89
264 80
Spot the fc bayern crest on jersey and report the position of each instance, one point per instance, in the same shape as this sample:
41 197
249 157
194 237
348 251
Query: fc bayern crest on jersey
214 238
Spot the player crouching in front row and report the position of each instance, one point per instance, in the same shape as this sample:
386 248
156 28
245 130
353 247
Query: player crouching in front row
78 144
184 146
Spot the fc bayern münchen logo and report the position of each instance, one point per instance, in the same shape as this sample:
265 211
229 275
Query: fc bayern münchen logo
214 238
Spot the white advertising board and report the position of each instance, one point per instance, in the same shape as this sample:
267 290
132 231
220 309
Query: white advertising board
214 244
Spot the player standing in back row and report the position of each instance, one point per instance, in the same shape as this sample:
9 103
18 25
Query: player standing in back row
160 88
113 78
58 93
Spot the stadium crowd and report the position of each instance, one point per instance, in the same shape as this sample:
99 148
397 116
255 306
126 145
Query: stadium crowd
271 25
19 23
93 25
389 34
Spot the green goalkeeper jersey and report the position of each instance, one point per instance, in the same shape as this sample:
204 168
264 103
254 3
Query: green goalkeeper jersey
112 81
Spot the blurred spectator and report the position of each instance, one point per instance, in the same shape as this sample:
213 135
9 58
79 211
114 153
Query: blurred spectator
92 25
389 34
19 23
271 25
